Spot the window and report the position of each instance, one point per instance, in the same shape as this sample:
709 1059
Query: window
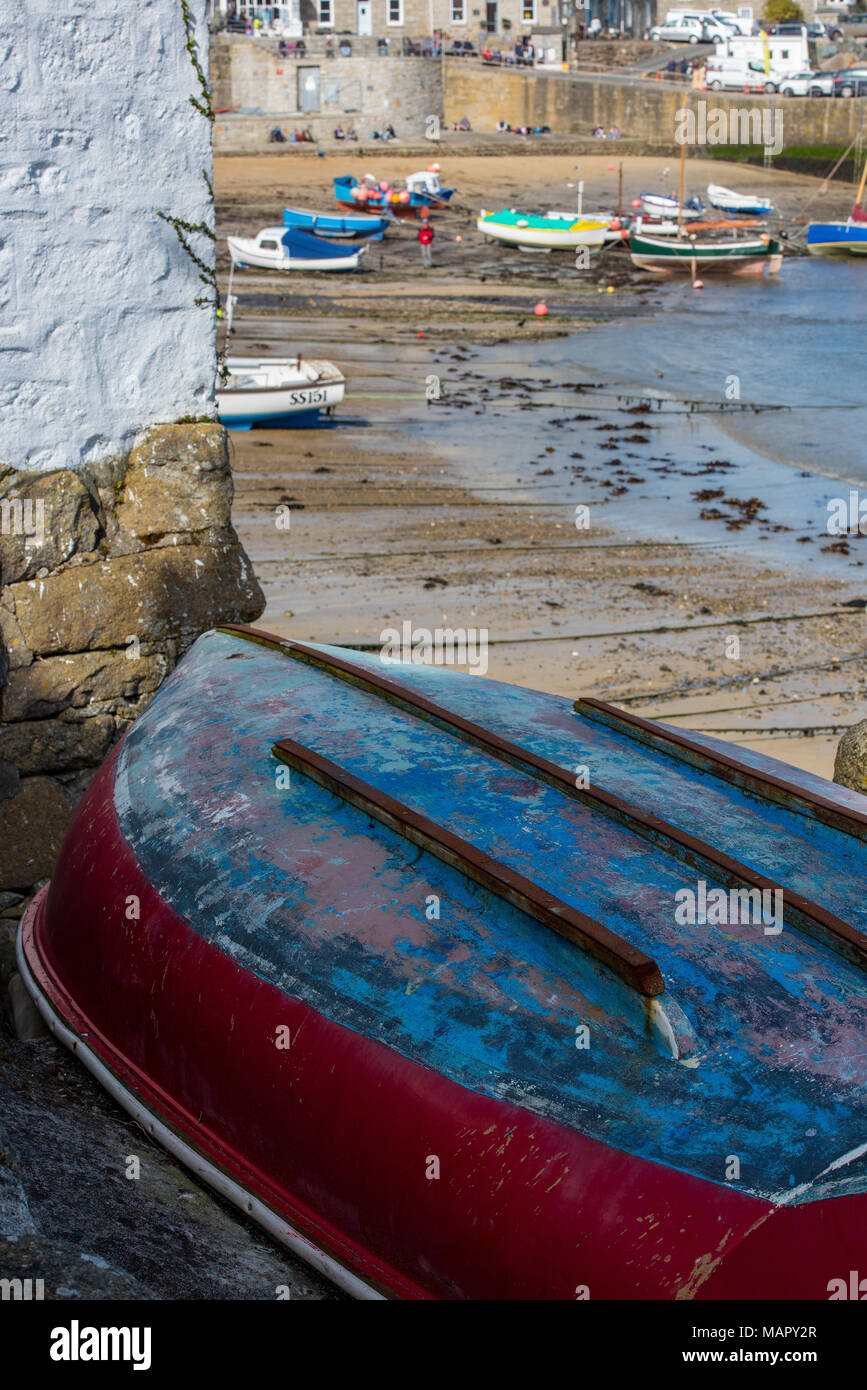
395 11
528 11
325 15
459 11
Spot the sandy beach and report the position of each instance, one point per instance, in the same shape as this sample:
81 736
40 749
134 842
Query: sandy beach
405 509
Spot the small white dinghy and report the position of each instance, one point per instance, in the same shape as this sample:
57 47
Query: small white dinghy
277 391
287 248
737 204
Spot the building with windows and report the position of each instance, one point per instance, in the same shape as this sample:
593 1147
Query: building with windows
460 19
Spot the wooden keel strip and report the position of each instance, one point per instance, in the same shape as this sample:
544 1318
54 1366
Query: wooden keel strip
765 785
798 912
632 965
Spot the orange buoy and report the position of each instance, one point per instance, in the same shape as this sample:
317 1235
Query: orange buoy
540 310
698 284
420 334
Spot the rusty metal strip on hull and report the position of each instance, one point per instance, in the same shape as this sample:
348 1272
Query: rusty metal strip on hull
631 964
770 788
806 916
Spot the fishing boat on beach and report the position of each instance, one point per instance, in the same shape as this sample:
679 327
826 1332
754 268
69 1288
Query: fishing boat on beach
420 190
544 230
277 392
847 238
326 225
287 248
730 256
737 204
354 943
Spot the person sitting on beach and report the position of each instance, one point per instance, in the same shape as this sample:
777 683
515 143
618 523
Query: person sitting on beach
276 137
339 133
464 123
352 134
502 127
283 48
599 133
614 133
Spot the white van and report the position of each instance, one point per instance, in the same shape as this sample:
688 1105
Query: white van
739 23
714 27
740 73
680 30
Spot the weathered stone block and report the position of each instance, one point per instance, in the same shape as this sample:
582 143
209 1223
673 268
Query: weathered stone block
151 595
45 519
16 652
62 682
850 764
32 827
177 480
56 745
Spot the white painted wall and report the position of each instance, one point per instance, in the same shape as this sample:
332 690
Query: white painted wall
99 334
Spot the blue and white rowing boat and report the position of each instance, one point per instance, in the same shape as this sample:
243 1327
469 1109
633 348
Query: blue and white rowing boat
322 225
737 204
286 248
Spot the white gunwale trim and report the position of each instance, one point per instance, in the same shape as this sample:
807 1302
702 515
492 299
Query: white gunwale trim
275 1225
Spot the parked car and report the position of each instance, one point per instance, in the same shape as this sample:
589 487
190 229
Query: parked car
851 82
787 30
681 31
808 84
821 33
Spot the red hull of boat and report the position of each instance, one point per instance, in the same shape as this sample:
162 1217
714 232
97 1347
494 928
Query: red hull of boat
337 1133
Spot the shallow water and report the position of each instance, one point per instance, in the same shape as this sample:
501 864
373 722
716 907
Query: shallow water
671 423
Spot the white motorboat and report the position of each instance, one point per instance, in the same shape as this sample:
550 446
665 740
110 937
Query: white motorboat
287 248
277 391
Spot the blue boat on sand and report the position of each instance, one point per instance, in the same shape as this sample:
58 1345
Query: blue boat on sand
837 238
323 225
463 991
847 238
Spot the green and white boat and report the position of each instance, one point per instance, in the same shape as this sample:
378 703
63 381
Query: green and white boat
543 231
688 255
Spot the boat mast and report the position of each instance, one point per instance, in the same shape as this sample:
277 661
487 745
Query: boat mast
682 167
861 187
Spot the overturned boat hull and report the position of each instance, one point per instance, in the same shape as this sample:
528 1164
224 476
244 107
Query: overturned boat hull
354 942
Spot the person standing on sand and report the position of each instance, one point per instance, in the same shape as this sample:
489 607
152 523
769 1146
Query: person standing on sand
426 236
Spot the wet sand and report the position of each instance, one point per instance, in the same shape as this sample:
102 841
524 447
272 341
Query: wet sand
437 513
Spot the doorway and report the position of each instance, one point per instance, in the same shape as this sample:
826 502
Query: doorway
492 16
365 18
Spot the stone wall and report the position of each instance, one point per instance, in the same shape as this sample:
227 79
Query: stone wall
99 334
106 577
365 92
116 545
573 104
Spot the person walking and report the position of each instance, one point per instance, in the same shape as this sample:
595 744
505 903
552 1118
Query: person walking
426 236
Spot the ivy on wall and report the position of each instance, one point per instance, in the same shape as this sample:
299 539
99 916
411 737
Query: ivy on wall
184 230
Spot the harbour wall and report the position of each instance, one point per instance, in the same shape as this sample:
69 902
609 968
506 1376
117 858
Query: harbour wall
261 90
574 104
